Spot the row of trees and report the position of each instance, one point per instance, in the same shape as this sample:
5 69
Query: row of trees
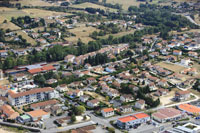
97 60
27 20
94 10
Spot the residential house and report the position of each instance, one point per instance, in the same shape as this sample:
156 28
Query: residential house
113 93
152 86
110 69
35 35
163 83
154 54
8 111
87 66
3 53
126 98
54 110
177 52
107 112
93 103
91 80
43 105
20 77
78 93
158 45
63 121
171 58
126 109
182 95
193 54
161 92
38 115
140 104
70 58
62 88
51 81
186 61
84 98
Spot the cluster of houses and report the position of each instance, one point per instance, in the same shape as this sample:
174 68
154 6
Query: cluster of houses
110 49
162 116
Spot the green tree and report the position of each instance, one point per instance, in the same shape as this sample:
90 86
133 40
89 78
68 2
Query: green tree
79 110
73 118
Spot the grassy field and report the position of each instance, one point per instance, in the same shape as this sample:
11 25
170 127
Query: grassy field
42 13
25 36
125 3
172 67
97 96
81 32
197 18
87 4
8 13
7 25
33 3
119 34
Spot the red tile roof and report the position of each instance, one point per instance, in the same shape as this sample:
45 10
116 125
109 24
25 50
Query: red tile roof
189 108
37 113
108 109
48 68
33 91
141 115
34 71
44 68
127 119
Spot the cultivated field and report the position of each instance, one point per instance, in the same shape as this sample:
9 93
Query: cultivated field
25 36
81 32
33 3
170 66
87 4
8 13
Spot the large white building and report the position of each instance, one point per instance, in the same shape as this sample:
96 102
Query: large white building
31 96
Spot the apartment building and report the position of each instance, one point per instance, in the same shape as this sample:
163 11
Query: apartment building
31 96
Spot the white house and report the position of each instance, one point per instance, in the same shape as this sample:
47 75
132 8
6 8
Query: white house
140 104
84 98
186 61
69 58
113 93
110 69
126 98
93 103
107 112
177 52
62 88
